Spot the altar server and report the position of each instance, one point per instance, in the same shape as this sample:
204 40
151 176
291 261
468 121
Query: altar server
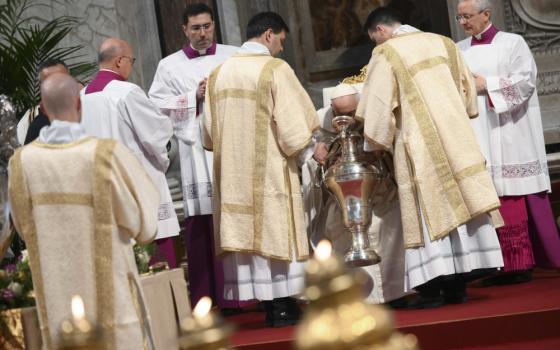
420 113
258 120
80 203
179 89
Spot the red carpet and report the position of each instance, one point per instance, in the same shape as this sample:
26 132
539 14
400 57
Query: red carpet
522 316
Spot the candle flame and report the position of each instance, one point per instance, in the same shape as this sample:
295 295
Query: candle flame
202 308
324 250
78 311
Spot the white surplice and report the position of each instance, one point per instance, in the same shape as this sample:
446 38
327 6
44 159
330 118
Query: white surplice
174 92
123 111
510 133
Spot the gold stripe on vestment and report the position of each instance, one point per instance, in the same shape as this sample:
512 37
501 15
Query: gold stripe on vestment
451 49
61 198
22 208
216 139
103 243
470 171
429 135
262 124
236 93
237 209
427 64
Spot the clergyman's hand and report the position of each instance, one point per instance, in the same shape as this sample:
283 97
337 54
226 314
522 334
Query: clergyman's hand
201 91
480 83
321 152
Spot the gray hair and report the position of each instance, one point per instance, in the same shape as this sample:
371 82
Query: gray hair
481 5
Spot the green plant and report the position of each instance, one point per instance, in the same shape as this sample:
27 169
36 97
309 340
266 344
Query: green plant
143 255
16 285
25 41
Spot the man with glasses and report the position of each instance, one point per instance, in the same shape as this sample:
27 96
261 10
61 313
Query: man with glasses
115 108
509 130
179 89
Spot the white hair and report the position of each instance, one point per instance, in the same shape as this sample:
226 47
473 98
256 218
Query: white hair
481 5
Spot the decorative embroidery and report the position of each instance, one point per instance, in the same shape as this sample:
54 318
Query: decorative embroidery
165 211
193 191
512 171
511 93
181 113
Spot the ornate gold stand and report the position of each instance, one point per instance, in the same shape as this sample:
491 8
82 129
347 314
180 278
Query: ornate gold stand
337 317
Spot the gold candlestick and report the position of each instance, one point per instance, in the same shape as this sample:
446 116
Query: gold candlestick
337 316
205 330
78 333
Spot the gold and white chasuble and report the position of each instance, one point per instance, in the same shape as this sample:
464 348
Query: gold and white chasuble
259 119
416 103
80 206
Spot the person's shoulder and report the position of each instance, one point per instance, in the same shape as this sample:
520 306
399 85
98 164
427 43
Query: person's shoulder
171 59
121 88
512 38
465 43
226 49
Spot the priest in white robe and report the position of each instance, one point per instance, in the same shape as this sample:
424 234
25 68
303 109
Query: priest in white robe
178 90
324 217
509 130
258 120
81 203
114 108
417 100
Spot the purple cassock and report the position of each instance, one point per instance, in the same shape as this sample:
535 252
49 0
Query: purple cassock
530 236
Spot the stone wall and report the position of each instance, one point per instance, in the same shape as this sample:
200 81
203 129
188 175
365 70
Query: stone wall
134 21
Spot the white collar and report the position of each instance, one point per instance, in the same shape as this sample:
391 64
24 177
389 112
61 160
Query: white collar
254 47
404 29
479 35
60 132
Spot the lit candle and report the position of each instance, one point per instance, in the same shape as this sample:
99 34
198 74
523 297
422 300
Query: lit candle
202 308
324 250
78 333
204 330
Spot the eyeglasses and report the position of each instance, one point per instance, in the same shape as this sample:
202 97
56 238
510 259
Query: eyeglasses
466 17
131 59
198 27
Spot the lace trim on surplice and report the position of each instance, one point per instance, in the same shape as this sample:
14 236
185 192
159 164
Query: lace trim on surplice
512 171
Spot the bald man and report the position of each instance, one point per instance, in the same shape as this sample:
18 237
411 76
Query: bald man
115 108
325 217
80 203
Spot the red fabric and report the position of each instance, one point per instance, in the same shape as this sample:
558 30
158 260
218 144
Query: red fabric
514 238
524 313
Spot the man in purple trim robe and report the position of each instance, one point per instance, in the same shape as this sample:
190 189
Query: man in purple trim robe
178 89
509 130
115 108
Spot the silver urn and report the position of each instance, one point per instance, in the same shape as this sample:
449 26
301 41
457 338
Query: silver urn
353 182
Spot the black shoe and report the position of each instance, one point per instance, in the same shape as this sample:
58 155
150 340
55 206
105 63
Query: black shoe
227 311
454 290
508 278
282 312
400 303
420 302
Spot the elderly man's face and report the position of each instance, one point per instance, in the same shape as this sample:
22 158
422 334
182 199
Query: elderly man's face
473 20
345 105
